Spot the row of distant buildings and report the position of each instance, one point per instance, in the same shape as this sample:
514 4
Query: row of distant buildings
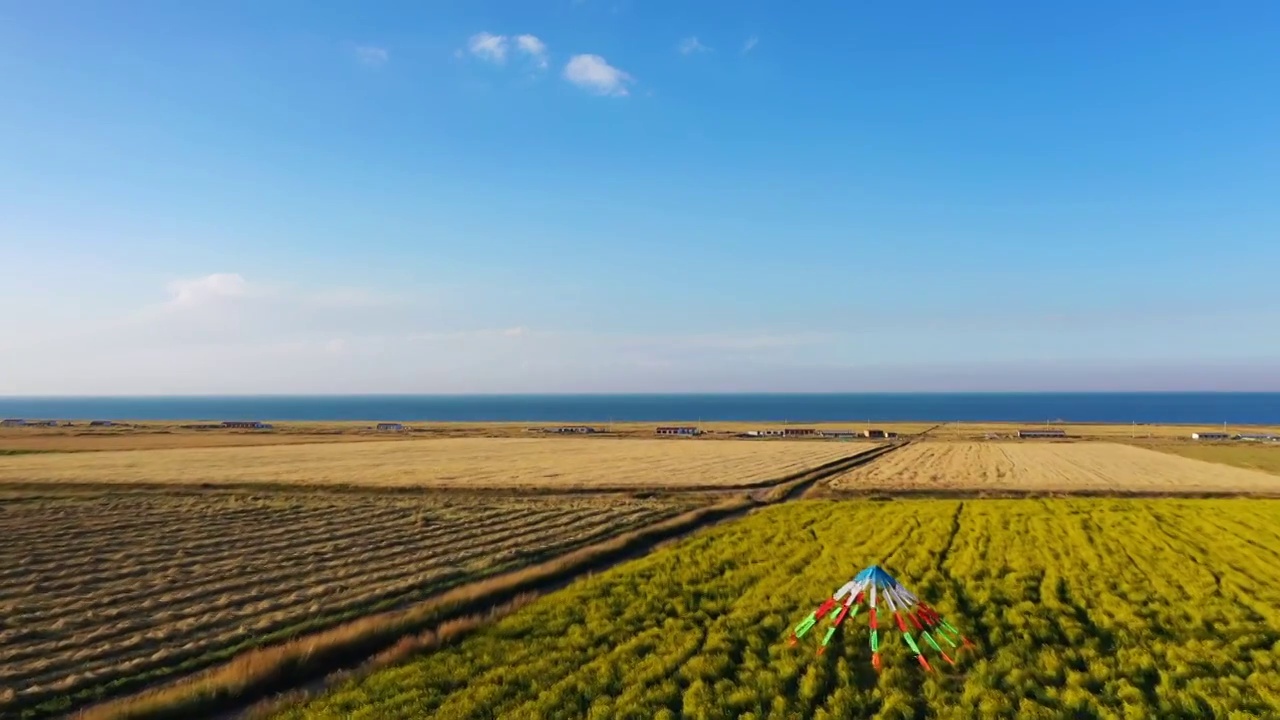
694 430
801 432
1243 437
230 425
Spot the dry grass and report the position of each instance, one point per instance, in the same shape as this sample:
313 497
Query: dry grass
1050 467
457 462
109 592
1253 456
62 440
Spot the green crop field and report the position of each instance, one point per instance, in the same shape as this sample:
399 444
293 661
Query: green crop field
1081 608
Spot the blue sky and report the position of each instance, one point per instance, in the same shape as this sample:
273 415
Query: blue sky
616 195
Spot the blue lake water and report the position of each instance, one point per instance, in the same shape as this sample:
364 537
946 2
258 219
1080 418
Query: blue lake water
1207 408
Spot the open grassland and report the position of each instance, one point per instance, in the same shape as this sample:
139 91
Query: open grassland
1088 608
103 593
1096 467
1253 456
458 462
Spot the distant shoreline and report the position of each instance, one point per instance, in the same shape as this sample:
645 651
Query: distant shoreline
1182 408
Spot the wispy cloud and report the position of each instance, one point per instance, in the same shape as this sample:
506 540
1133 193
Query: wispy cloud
371 55
489 47
594 74
691 45
204 290
750 44
532 46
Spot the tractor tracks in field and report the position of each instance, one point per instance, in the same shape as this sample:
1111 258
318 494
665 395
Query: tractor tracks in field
951 538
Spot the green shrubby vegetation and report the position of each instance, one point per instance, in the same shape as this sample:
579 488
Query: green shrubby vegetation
1081 608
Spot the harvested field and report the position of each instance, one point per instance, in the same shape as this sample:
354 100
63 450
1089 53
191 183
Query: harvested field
42 440
103 593
455 462
1050 467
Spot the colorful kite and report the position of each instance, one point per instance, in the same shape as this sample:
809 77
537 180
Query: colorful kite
872 585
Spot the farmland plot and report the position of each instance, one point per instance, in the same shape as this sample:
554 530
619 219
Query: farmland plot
1053 467
100 594
1085 608
454 462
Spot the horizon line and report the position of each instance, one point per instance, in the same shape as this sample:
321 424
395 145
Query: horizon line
808 393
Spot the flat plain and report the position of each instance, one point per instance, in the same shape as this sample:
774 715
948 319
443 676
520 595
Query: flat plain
1097 467
1088 608
101 593
466 463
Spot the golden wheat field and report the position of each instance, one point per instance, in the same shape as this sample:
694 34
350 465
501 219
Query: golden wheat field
1050 467
102 593
453 462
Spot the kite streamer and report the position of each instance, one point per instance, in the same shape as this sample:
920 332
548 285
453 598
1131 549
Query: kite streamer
879 591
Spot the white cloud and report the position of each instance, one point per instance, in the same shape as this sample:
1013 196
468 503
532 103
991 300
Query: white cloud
371 55
594 74
750 44
223 308
691 45
534 48
488 47
207 289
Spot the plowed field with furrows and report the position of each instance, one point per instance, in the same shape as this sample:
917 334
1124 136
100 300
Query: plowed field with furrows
100 594
1051 467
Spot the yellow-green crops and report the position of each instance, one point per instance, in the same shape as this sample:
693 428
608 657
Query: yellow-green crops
1085 608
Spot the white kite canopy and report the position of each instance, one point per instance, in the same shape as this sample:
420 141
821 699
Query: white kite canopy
874 584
